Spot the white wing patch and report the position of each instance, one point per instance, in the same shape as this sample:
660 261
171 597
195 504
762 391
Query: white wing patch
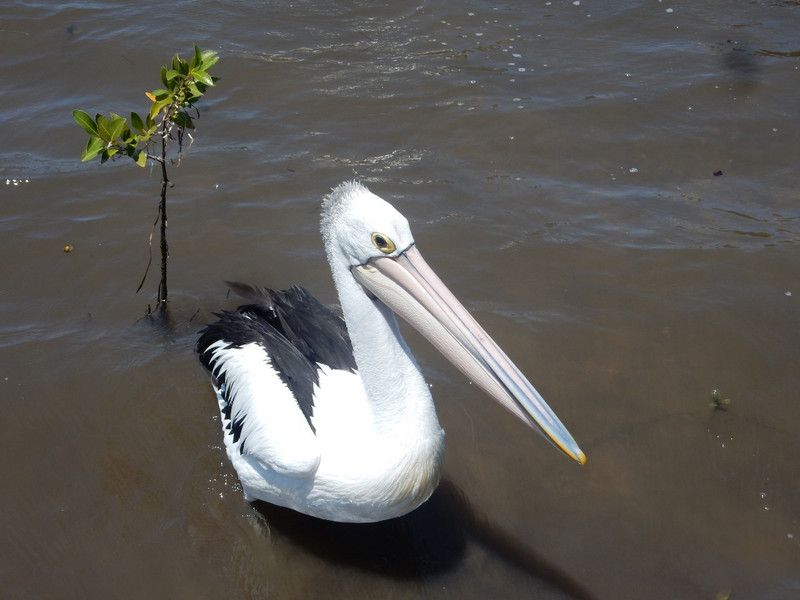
274 431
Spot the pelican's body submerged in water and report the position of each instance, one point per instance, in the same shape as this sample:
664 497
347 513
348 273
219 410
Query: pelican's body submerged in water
333 417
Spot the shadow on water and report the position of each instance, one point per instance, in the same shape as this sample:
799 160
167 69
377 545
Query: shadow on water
428 541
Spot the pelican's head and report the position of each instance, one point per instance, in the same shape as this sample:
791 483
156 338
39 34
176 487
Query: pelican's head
357 226
367 239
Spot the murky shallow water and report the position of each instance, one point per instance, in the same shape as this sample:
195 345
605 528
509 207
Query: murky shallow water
557 163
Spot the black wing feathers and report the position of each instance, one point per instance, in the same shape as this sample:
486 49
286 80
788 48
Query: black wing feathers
316 331
295 330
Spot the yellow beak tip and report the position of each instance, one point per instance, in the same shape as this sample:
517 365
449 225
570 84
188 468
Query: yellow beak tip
575 454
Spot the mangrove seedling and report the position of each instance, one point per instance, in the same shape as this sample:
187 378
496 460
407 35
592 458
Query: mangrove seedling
142 138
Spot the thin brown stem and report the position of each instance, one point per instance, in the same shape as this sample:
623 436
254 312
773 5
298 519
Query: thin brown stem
162 212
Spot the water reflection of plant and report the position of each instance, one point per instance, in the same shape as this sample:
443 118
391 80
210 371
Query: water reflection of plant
169 118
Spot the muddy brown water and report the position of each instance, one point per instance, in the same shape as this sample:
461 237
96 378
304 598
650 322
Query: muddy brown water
557 162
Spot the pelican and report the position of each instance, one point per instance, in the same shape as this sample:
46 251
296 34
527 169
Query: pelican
332 417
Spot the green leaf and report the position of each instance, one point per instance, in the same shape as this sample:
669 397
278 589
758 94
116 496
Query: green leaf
158 106
117 126
140 156
202 77
126 136
108 153
197 59
180 65
195 91
136 122
93 148
103 128
159 94
85 121
170 75
210 58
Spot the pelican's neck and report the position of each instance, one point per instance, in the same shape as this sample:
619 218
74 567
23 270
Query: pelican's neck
393 382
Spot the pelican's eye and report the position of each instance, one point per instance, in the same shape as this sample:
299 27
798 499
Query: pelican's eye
383 243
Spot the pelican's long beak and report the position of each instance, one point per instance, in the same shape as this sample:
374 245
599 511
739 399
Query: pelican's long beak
408 286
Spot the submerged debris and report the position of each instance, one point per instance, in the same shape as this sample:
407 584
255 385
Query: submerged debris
717 401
